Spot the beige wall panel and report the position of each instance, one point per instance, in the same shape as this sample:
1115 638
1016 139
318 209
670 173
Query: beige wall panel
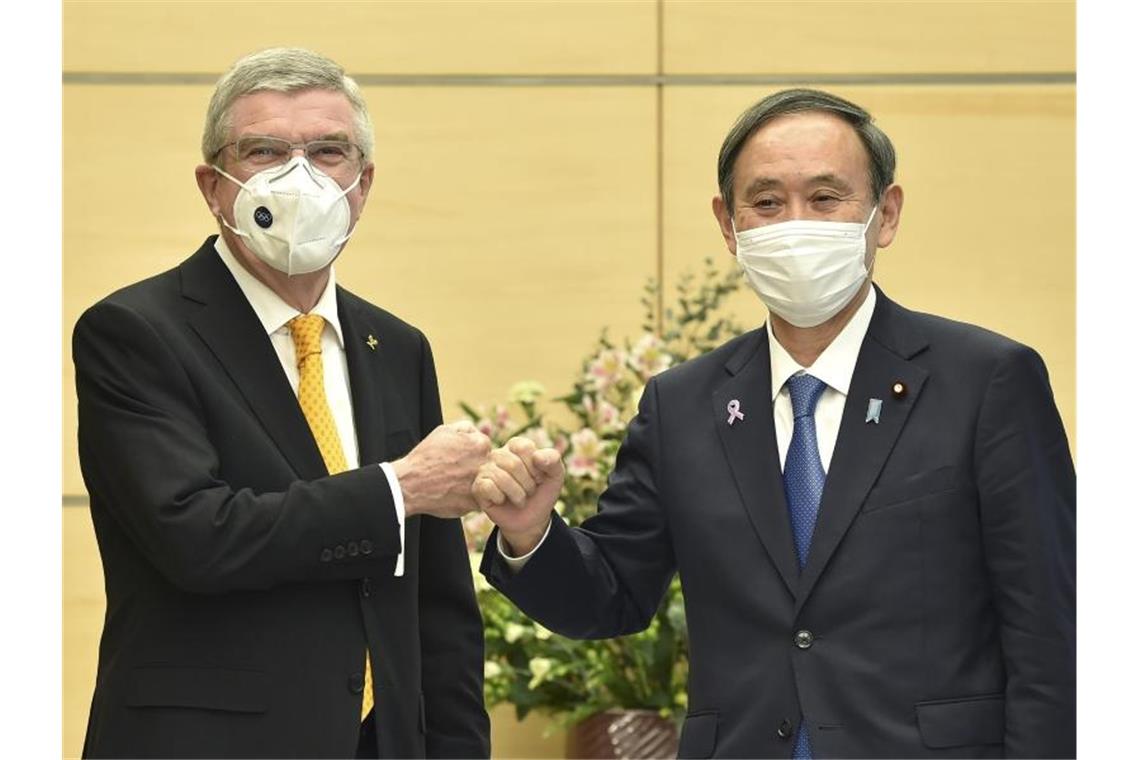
131 207
83 608
459 36
848 37
511 225
988 230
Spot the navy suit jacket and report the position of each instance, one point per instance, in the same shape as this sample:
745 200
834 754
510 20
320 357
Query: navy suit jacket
936 613
243 582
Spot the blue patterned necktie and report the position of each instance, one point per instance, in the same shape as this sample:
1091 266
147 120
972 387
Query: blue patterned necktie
803 486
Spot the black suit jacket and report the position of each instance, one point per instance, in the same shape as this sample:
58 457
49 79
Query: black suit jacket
937 604
243 582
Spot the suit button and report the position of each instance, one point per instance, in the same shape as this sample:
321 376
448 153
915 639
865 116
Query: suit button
338 552
785 729
353 548
804 639
366 587
366 546
356 683
326 555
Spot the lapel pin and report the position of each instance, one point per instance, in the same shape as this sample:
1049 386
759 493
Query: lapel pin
898 389
874 409
372 342
734 412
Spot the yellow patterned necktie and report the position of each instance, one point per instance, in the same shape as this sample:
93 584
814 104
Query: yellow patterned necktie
306 330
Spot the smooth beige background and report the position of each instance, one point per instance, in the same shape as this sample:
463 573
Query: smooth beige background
515 216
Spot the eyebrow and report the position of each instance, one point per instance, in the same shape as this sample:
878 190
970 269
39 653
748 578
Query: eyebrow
767 183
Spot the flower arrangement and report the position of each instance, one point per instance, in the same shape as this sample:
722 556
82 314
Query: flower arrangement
527 665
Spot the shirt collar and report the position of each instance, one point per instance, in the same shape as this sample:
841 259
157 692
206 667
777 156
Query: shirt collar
271 310
836 364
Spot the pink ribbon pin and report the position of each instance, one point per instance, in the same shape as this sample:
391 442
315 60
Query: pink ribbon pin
734 412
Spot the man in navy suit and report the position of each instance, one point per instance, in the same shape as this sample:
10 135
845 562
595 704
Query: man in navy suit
872 510
270 482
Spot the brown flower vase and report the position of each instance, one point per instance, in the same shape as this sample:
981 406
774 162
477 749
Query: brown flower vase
623 734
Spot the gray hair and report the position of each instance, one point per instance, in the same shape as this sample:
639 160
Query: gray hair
880 151
281 70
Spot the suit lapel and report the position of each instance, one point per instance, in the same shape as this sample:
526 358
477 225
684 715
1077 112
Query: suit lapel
862 447
228 326
750 446
373 396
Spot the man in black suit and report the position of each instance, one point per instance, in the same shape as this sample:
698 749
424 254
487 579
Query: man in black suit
270 482
872 510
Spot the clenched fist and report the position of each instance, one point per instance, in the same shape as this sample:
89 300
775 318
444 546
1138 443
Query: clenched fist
517 488
436 476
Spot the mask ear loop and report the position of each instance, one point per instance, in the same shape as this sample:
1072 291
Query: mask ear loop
875 253
221 217
343 193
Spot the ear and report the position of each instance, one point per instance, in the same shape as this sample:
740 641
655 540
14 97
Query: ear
207 179
366 176
724 221
890 210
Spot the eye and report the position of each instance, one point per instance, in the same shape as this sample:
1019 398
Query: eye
329 152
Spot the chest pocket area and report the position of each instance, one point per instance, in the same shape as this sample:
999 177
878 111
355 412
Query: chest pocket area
914 487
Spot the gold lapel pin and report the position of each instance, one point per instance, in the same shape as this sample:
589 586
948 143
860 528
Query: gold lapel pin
372 342
898 389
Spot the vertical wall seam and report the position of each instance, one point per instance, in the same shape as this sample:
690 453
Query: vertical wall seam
660 94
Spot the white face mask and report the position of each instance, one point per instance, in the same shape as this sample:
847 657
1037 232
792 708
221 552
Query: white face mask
805 271
293 217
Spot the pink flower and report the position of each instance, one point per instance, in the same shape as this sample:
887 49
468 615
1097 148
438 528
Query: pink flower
606 369
648 356
585 451
608 418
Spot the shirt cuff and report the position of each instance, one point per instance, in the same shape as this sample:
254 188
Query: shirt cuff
398 502
517 563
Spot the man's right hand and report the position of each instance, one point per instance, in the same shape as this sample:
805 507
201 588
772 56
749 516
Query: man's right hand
517 488
436 476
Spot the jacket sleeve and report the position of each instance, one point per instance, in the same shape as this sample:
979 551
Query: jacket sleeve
607 577
148 459
1027 492
451 628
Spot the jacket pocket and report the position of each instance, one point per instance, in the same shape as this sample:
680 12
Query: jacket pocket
961 722
204 688
698 735
913 487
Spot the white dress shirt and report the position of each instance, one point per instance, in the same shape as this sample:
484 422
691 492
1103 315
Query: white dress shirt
835 366
274 315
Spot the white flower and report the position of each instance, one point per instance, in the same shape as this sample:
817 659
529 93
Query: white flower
481 583
541 632
514 632
491 669
540 668
525 392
